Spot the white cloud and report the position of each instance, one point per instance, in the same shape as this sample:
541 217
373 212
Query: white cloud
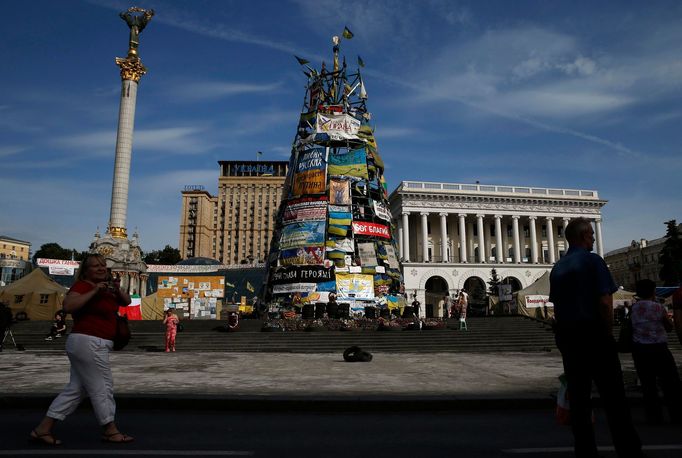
10 150
178 140
216 89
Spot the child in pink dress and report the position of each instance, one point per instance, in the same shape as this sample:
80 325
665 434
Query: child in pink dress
171 321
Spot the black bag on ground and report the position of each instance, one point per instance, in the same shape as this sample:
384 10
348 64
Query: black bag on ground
122 333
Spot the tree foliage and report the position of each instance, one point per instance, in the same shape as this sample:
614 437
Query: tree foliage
54 250
493 283
167 256
670 257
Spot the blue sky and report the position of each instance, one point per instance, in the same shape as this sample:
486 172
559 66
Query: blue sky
571 94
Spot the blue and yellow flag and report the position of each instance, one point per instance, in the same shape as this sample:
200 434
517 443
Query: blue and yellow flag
301 60
347 34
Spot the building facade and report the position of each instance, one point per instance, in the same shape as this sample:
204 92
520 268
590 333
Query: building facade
15 259
637 261
452 235
236 226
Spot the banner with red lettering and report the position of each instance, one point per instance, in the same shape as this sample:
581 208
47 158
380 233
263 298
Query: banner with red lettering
371 229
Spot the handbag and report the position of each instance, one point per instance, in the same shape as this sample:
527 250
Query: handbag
122 336
625 336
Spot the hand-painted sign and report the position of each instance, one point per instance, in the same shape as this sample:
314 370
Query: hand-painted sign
355 286
309 177
294 288
368 256
391 257
308 233
305 209
537 300
353 163
302 256
371 229
339 192
338 127
381 210
297 274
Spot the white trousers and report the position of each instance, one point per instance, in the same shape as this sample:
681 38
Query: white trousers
90 376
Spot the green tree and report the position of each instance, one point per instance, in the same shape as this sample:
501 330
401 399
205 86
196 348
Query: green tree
53 251
670 257
493 283
167 256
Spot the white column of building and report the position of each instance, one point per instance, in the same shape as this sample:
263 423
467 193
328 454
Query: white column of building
406 236
600 243
566 221
462 238
481 239
500 251
425 237
533 240
505 243
517 242
444 237
470 240
401 241
550 240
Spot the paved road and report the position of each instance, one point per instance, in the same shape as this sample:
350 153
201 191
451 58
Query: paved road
479 434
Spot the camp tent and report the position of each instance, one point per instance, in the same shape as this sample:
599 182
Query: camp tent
35 294
622 298
530 301
152 307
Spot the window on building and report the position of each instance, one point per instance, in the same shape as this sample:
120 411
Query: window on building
18 298
544 230
44 298
509 230
526 231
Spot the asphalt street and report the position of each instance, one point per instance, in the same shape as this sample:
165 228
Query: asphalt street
480 434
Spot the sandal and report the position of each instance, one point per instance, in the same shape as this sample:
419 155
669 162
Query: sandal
123 438
44 439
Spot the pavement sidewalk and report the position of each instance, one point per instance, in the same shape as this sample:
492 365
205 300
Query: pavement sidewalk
298 381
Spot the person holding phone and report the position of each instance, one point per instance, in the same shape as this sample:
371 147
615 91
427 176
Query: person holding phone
93 301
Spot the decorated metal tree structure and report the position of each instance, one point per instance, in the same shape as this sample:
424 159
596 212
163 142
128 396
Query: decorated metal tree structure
333 232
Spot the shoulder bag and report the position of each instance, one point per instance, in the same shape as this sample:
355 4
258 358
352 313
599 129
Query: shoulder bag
122 333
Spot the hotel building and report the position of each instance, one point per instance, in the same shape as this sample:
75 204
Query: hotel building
236 226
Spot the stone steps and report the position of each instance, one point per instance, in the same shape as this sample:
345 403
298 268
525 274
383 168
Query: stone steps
485 334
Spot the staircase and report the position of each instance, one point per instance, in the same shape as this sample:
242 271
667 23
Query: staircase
485 334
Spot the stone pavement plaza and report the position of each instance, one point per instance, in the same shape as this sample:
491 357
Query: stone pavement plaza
444 376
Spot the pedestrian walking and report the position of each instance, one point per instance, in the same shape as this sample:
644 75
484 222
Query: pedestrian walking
653 360
93 300
581 288
463 305
171 321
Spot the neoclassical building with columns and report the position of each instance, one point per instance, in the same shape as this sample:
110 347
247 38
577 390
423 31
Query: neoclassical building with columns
452 235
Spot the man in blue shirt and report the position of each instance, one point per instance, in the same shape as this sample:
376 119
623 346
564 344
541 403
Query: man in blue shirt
581 289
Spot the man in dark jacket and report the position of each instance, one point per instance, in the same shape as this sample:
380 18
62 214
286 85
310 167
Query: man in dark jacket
581 289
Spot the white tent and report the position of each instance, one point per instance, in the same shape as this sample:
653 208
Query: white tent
533 300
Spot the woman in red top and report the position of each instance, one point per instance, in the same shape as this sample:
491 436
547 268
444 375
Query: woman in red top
93 302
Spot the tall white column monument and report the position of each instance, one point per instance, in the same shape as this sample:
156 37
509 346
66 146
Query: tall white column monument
123 255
